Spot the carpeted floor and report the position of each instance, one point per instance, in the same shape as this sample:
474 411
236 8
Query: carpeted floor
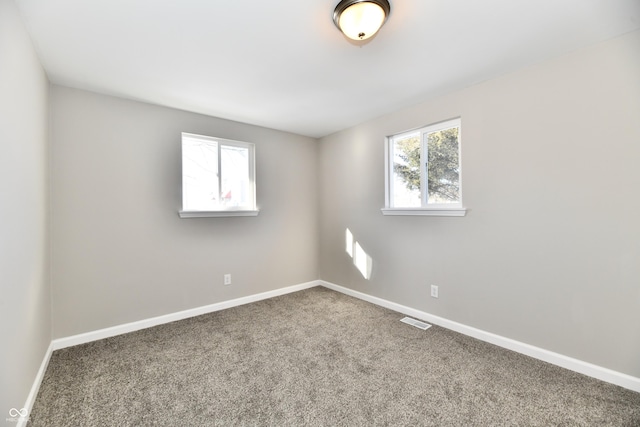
316 358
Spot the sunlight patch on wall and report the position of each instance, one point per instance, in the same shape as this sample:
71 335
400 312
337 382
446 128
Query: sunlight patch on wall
361 259
349 242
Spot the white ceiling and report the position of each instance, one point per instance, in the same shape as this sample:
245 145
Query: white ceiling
283 64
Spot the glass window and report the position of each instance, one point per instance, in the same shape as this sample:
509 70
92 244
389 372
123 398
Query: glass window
217 175
423 170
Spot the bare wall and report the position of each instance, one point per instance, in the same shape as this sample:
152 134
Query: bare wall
120 251
549 252
25 299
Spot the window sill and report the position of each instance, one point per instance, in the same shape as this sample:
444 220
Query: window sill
217 214
425 211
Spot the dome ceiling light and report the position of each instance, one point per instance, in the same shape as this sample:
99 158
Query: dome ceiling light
361 19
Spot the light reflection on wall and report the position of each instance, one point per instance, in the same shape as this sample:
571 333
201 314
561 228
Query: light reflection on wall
349 243
361 259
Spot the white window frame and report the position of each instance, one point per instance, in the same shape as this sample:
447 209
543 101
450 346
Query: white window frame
427 209
250 210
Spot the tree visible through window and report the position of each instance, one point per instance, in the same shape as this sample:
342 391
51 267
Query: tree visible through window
425 166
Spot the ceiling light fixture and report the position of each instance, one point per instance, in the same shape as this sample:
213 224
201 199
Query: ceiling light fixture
361 19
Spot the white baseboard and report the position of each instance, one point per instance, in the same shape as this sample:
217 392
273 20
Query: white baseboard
591 370
172 317
31 398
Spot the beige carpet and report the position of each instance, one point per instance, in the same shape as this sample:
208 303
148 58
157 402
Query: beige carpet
316 358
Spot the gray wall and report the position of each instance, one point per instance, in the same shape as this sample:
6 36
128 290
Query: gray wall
549 252
120 252
25 306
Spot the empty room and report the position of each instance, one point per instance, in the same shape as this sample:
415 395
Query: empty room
289 213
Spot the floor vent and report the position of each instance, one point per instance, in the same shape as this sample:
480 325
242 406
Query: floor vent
416 323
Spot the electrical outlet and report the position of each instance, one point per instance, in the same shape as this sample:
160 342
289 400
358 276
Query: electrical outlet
434 291
227 279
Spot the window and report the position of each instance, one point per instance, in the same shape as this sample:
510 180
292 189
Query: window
423 171
218 177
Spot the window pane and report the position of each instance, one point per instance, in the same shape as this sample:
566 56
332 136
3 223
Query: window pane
443 166
236 183
199 175
406 171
